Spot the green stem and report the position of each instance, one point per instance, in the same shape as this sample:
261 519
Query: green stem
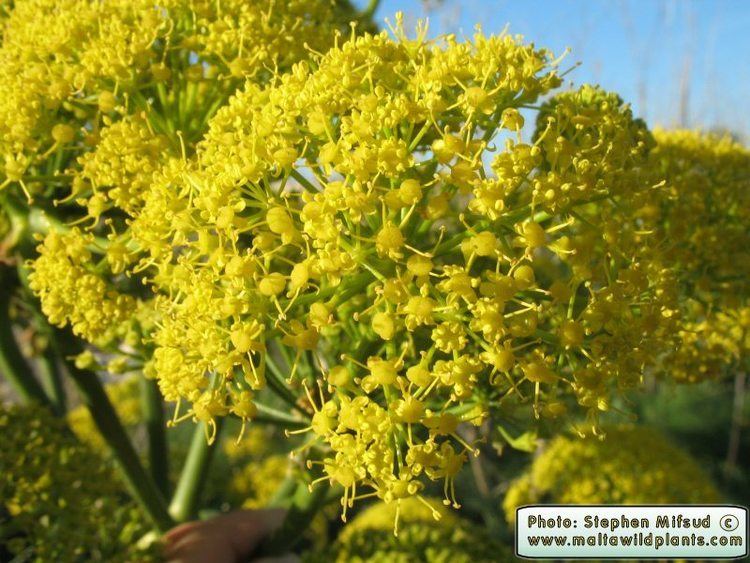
372 7
187 493
51 376
152 404
16 372
277 384
304 181
272 415
140 483
48 363
13 366
302 505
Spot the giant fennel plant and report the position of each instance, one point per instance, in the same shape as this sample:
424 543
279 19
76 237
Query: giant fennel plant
347 233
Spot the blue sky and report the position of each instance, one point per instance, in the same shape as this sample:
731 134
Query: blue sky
676 61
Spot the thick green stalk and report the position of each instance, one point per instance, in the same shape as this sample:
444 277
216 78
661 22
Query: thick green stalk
735 430
370 10
16 371
152 404
184 503
48 365
302 505
143 488
52 381
140 483
13 366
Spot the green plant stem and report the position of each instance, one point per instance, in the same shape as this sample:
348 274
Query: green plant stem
277 384
735 430
371 8
275 416
51 376
13 366
152 404
138 480
48 363
187 493
302 505
16 371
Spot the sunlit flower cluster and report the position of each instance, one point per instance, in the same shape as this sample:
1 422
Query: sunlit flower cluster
712 343
371 237
707 176
69 68
72 291
381 242
632 465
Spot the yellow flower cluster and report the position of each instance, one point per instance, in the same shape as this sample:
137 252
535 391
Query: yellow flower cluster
712 343
630 465
369 537
119 170
58 59
257 481
72 290
67 66
253 38
62 502
370 236
702 222
98 98
257 471
704 216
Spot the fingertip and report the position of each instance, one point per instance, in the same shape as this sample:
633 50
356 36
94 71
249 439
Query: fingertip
251 526
268 519
179 531
274 518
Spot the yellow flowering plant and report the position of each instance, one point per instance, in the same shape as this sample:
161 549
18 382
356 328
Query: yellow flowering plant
348 234
707 177
59 501
407 285
72 68
369 537
632 465
96 95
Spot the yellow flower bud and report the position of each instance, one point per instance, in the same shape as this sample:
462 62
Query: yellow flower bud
524 277
383 325
107 101
63 133
272 284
